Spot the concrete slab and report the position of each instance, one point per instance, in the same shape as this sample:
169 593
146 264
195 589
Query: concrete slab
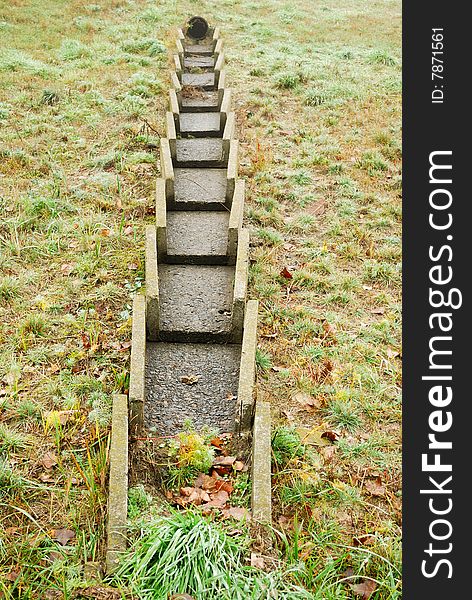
261 496
201 49
200 101
118 483
202 62
199 189
210 401
195 303
136 370
207 81
248 367
197 237
206 124
200 152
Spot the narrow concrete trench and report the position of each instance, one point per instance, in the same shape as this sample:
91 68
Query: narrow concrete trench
194 334
197 255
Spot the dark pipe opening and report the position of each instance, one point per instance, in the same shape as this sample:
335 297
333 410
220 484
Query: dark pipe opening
197 28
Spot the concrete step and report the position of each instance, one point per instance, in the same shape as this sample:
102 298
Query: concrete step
197 237
195 303
207 81
201 62
199 189
196 100
200 152
210 401
201 49
203 124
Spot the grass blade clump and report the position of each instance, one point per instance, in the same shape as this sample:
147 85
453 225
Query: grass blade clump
184 553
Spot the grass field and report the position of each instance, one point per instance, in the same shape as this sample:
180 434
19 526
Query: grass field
83 91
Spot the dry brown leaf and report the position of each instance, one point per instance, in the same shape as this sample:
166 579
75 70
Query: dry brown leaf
364 589
375 487
237 512
63 536
49 460
257 561
190 379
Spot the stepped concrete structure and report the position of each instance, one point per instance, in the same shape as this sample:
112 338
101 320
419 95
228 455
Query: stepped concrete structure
194 332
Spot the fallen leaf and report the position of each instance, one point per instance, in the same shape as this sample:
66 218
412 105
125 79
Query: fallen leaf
333 436
190 379
205 482
237 512
218 499
49 460
105 232
378 311
13 574
306 401
128 230
132 266
181 597
217 442
58 417
375 487
328 452
257 561
392 353
67 268
224 461
286 273
238 465
364 589
222 484
363 540
63 536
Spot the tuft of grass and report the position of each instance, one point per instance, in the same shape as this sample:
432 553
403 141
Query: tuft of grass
286 445
184 553
9 288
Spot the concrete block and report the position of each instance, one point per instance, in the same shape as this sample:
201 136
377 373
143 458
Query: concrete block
229 129
161 219
199 152
199 189
118 483
177 65
216 33
170 402
167 169
180 49
137 363
202 124
175 82
219 66
222 80
201 101
152 284
232 168
247 371
205 81
198 62
171 134
218 47
174 102
240 285
261 471
195 303
180 34
197 237
235 218
226 101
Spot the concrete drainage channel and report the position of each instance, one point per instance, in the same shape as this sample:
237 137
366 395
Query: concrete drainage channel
194 323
